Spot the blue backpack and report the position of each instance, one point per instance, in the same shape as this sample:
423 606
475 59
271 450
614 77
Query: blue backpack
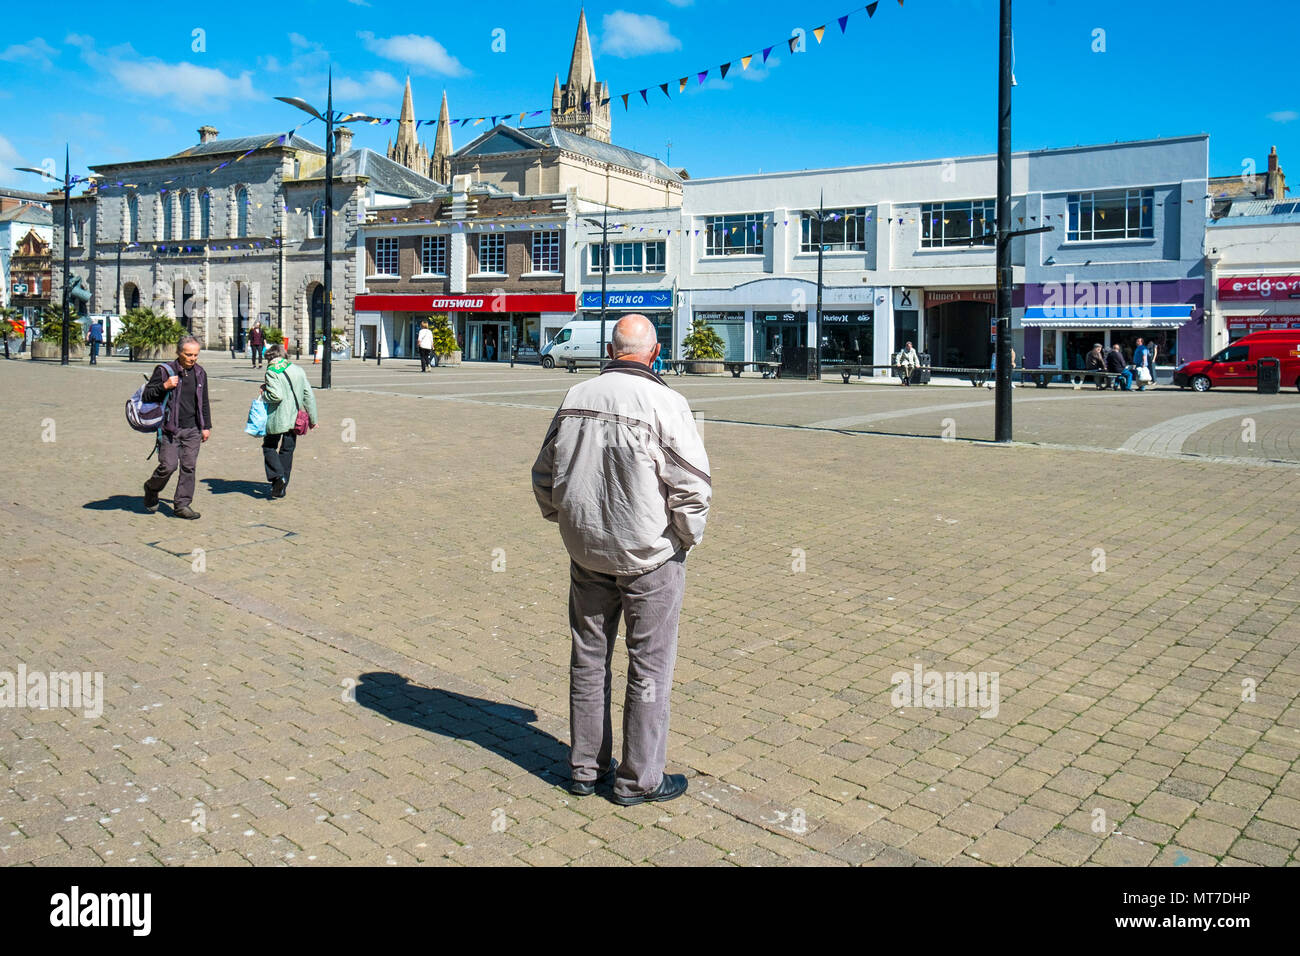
148 416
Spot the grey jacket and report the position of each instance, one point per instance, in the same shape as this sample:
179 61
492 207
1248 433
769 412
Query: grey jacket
623 472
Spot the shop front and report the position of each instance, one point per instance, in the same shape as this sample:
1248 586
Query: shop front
848 336
957 325
487 327
655 304
1063 321
1258 302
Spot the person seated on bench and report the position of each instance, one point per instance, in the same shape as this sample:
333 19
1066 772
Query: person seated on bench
1096 362
1115 363
993 366
907 362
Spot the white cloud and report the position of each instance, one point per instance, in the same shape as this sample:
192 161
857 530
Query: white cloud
625 34
420 54
758 70
375 84
35 51
9 158
189 86
357 3
676 3
1284 116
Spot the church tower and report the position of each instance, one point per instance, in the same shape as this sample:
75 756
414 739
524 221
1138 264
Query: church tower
440 165
408 150
581 105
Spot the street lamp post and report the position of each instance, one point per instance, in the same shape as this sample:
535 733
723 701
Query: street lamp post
815 353
1002 397
604 271
329 119
67 221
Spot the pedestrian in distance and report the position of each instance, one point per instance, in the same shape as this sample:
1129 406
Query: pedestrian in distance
1096 362
908 362
1142 362
286 392
424 342
95 338
256 344
993 367
186 425
1115 363
623 472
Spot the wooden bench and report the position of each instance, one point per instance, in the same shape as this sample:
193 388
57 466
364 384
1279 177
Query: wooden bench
1076 377
768 369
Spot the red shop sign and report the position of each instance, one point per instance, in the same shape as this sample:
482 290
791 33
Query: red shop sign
1239 288
487 302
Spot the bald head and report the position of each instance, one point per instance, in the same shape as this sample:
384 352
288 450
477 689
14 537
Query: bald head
634 340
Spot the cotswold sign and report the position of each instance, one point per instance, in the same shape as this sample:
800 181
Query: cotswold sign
490 302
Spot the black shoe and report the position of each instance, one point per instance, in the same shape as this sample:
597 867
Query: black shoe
277 488
185 511
585 788
672 786
150 499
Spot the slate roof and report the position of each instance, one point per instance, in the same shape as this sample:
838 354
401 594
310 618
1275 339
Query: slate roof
386 176
243 144
549 137
31 214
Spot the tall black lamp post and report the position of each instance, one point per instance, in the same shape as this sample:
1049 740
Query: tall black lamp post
68 180
815 353
604 271
329 119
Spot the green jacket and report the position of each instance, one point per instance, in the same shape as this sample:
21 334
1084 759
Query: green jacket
284 381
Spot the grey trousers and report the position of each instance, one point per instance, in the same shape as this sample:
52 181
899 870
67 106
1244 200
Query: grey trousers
181 449
650 605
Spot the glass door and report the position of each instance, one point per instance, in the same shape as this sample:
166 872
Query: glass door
474 349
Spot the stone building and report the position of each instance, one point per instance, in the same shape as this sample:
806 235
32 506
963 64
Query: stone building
25 255
1249 185
411 153
581 105
229 232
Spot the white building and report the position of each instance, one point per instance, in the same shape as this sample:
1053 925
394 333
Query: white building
1252 278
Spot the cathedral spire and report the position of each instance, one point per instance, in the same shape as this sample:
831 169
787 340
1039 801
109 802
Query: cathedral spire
440 167
582 71
406 148
582 105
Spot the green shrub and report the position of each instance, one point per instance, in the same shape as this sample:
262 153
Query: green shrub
274 336
145 329
444 339
52 326
8 316
703 342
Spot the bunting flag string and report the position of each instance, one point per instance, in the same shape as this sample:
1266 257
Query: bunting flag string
795 43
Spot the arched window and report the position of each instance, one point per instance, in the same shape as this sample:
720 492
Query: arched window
166 215
133 217
187 217
241 212
316 227
205 214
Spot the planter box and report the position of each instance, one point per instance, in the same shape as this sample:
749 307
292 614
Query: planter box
705 368
41 349
452 359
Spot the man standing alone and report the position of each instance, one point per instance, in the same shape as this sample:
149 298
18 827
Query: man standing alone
424 342
625 475
96 338
256 344
187 423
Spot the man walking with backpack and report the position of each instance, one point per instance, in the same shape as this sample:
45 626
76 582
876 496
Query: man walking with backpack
186 424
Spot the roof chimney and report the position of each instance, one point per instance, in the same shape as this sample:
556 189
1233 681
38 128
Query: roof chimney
342 140
207 134
1272 158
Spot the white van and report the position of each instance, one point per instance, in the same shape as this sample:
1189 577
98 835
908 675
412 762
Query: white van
579 339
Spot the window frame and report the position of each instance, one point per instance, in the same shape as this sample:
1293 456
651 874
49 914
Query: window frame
642 265
1144 207
497 239
550 240
730 222
940 214
429 246
855 214
386 247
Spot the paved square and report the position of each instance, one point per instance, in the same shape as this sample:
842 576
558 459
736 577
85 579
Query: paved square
374 669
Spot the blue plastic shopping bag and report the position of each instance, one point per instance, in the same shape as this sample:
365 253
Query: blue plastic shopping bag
256 418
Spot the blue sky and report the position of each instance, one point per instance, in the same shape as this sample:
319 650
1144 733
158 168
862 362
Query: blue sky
912 82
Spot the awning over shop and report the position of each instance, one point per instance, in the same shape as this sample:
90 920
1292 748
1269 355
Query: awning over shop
1106 317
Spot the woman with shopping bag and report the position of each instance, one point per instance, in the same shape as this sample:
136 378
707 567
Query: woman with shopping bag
291 411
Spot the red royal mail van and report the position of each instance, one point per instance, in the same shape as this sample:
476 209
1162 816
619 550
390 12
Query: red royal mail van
1238 363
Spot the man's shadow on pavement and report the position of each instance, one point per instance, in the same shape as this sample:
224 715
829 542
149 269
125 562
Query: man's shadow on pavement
501 728
227 486
118 503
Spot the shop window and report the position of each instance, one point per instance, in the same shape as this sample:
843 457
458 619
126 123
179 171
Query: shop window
957 223
492 253
740 235
386 256
1114 214
841 230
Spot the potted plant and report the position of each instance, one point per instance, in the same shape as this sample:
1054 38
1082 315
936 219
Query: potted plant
704 345
274 336
10 326
444 341
148 334
50 344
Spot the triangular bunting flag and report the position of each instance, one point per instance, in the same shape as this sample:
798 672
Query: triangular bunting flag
791 43
701 76
681 84
767 51
643 99
819 32
664 87
871 10
479 120
522 115
844 23
625 96
744 62
723 69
